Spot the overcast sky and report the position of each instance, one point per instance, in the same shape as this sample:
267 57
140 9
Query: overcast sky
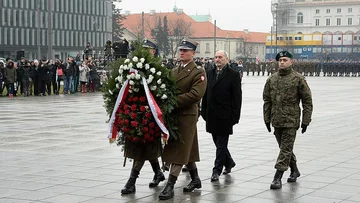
254 15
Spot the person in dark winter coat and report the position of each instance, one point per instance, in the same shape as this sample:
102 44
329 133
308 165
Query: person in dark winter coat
26 78
10 76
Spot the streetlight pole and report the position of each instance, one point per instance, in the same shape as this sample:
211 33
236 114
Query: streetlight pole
276 28
50 30
38 29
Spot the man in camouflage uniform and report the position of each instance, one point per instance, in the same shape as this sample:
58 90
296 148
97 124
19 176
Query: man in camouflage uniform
282 94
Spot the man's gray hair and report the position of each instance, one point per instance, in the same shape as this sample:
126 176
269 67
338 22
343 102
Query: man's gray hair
223 52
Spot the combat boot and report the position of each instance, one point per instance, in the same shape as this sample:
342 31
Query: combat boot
195 181
276 183
168 191
158 176
294 173
130 184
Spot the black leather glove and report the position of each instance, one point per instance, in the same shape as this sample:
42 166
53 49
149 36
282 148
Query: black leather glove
268 126
303 128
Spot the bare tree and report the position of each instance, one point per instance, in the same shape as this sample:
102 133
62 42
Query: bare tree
178 30
246 50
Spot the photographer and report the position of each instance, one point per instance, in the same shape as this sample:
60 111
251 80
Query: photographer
87 50
94 77
69 72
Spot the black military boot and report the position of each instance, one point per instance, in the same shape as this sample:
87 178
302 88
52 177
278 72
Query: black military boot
276 183
168 191
195 181
130 184
158 177
294 173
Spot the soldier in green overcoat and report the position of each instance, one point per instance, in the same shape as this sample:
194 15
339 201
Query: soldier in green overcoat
191 83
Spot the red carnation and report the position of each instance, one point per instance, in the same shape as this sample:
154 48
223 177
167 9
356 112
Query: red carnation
134 123
148 115
130 99
145 129
126 122
135 99
157 129
151 132
135 139
146 136
144 122
142 108
127 112
152 125
121 121
143 99
133 115
128 137
133 107
126 106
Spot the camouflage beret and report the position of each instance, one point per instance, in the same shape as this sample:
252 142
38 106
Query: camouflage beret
284 54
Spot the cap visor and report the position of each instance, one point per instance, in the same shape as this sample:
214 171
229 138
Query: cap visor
185 47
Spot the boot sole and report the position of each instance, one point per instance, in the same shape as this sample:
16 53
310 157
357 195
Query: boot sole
127 192
275 187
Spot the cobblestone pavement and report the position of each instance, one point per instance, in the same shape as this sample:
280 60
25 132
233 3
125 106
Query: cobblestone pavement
54 149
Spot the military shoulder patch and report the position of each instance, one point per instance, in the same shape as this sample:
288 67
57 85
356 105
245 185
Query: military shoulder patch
202 78
199 67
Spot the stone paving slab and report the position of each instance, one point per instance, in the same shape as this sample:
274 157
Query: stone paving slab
54 149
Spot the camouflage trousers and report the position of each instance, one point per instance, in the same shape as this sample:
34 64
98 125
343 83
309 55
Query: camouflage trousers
285 138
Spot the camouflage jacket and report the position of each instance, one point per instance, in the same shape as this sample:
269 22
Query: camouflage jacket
282 94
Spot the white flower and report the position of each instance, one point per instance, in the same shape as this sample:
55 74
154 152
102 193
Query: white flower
130 91
139 65
127 61
158 73
142 60
136 89
128 77
111 92
138 76
147 66
117 85
149 81
132 82
119 78
153 88
126 67
164 96
130 65
132 75
135 59
162 65
116 79
162 86
159 81
121 67
121 71
152 70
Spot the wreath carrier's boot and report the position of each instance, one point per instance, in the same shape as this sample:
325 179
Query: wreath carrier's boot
195 181
130 184
168 191
158 177
294 173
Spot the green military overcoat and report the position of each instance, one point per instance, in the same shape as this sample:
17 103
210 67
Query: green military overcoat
191 82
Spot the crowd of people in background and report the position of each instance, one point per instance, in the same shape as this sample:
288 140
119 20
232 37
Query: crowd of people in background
45 77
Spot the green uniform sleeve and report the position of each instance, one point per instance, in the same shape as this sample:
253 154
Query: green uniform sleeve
196 92
306 100
267 102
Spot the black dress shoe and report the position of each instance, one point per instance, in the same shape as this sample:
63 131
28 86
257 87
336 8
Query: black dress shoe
227 170
214 177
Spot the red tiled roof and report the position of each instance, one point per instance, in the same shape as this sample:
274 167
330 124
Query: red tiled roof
197 29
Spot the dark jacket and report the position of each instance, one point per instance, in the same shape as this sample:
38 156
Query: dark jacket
221 104
42 69
26 74
69 68
10 74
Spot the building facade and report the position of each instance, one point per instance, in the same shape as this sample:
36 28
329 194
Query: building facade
25 27
315 29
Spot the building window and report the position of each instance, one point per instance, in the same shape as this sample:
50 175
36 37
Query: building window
298 38
338 21
349 10
317 11
317 22
328 10
300 18
349 21
338 10
328 21
197 48
207 48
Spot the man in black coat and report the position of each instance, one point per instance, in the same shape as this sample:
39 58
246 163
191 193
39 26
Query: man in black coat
221 107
